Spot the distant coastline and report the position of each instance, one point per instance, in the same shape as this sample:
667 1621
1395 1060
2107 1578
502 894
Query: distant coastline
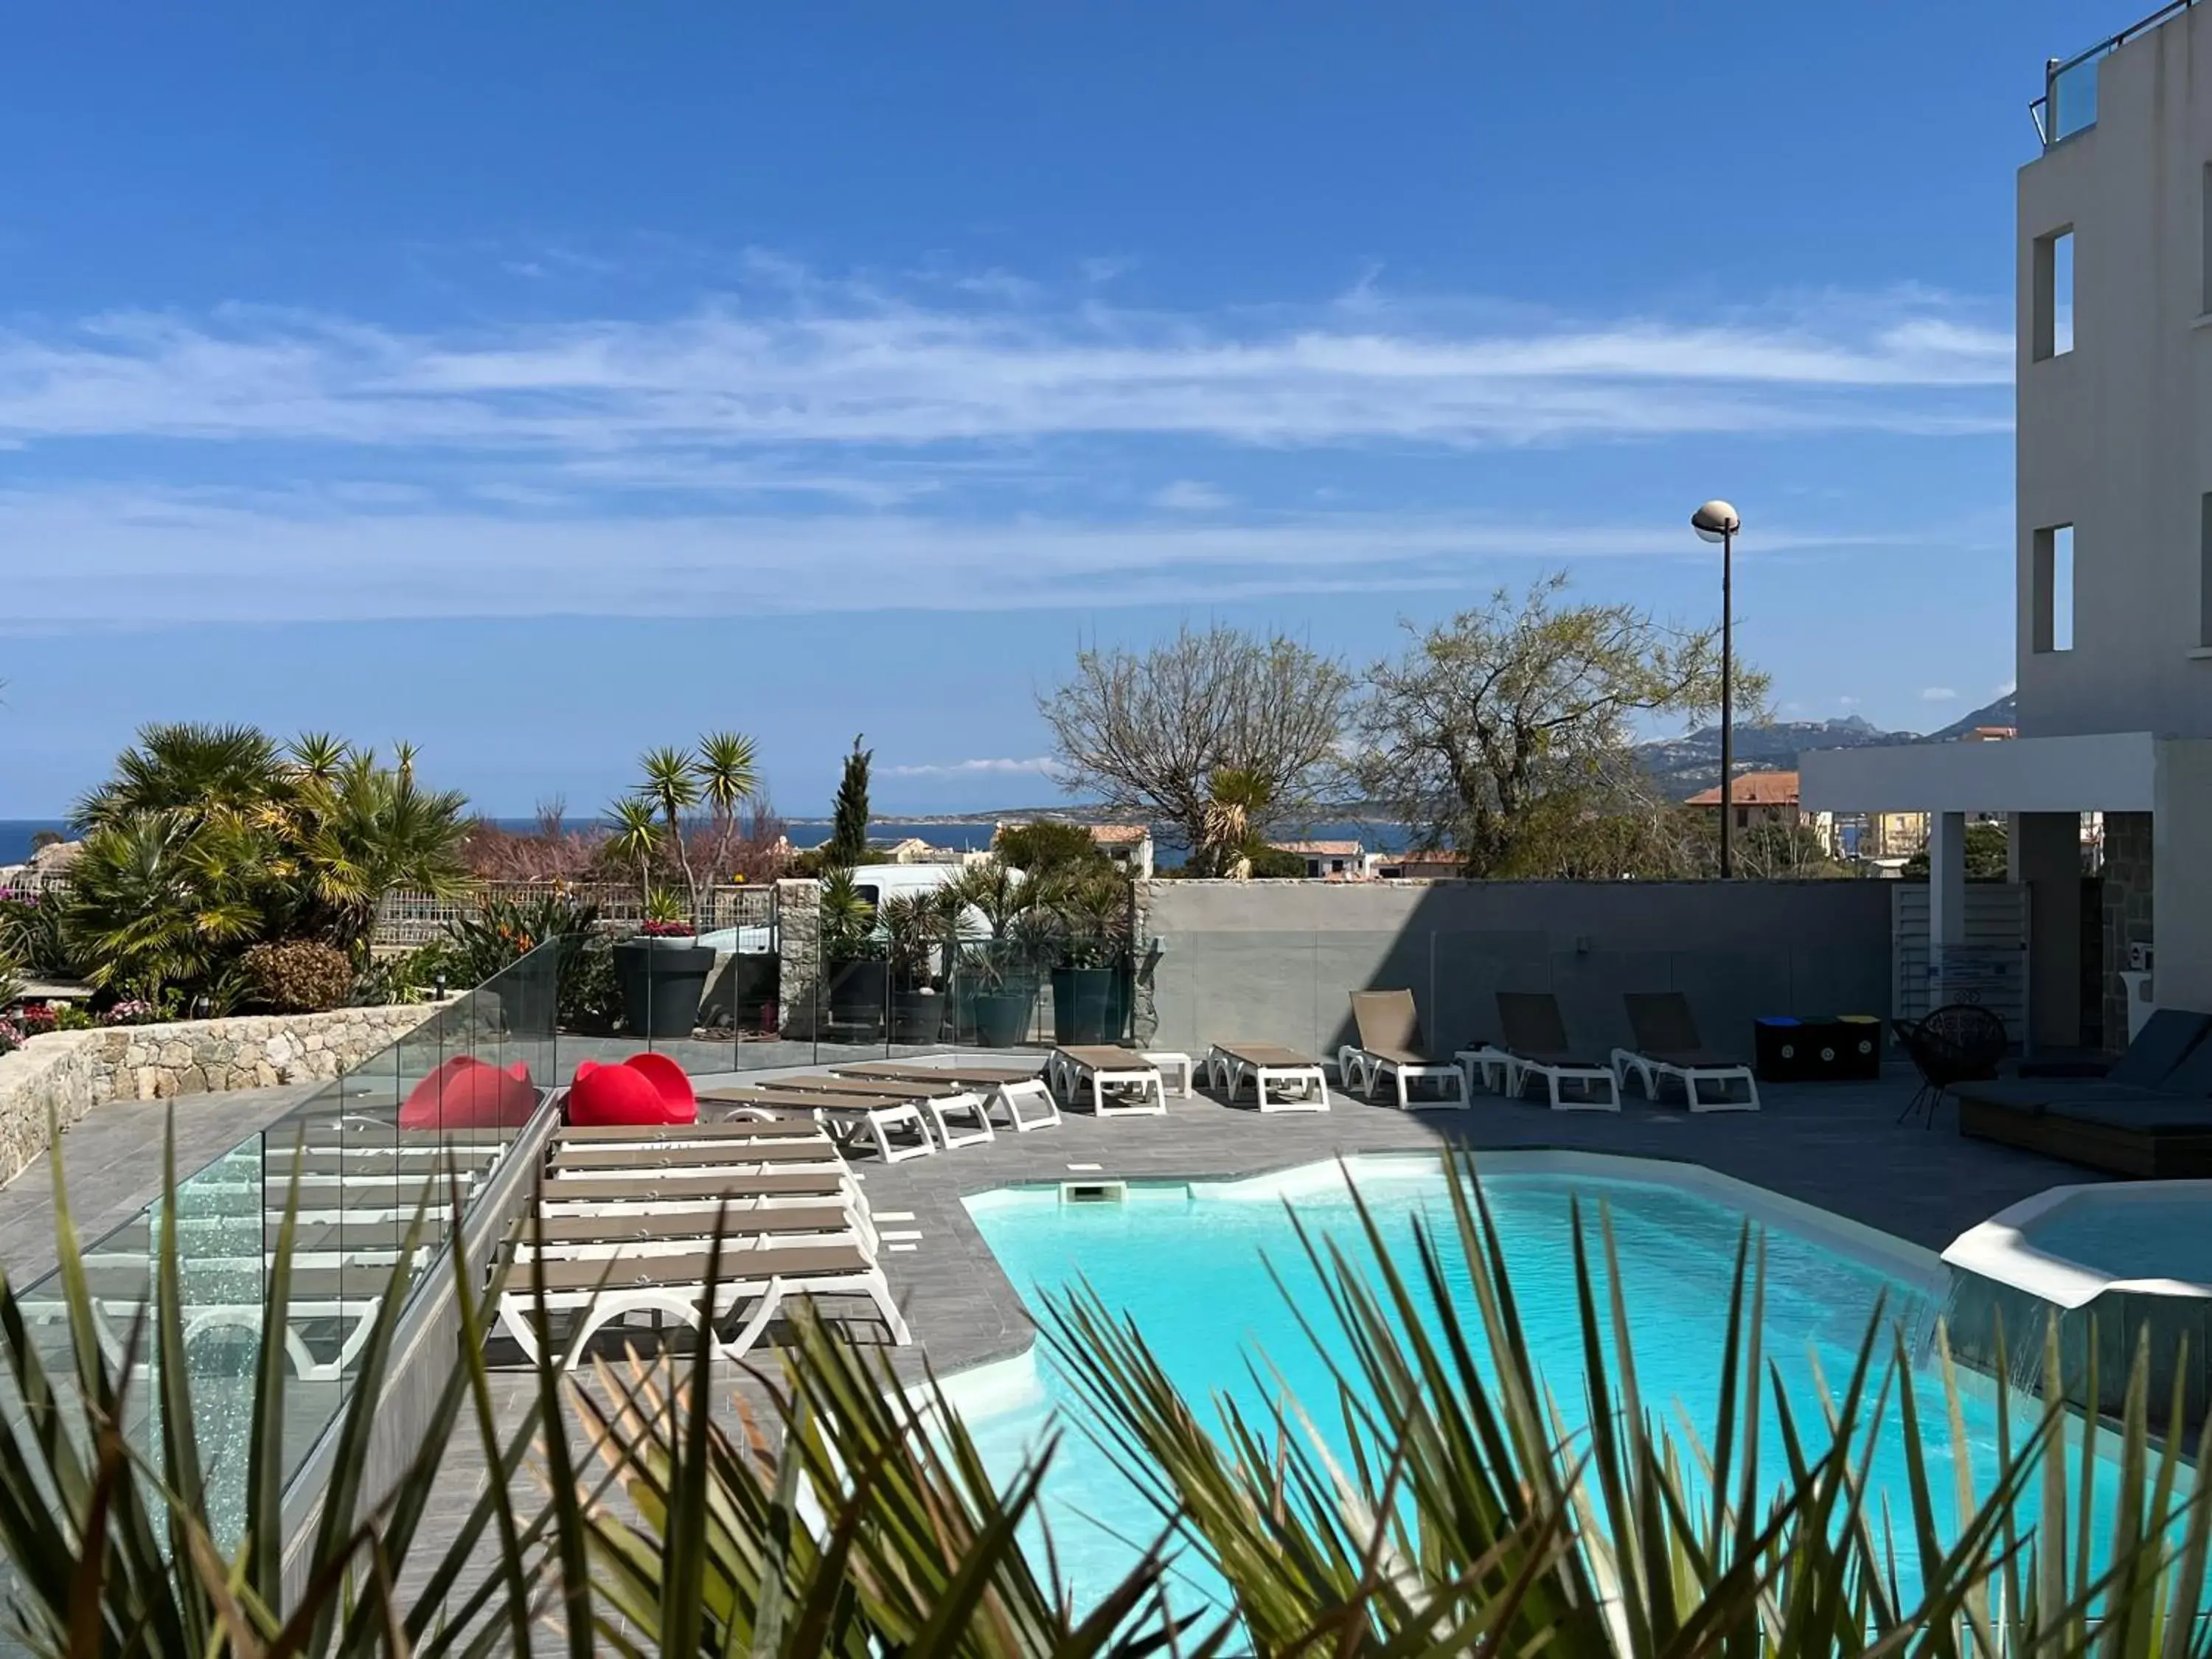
960 831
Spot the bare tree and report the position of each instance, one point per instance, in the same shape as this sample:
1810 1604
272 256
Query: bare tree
1506 732
1152 733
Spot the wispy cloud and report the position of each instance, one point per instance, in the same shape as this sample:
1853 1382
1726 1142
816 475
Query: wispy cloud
1190 496
1040 766
786 360
201 556
1938 694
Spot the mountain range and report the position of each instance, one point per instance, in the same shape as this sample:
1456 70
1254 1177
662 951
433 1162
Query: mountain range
1685 764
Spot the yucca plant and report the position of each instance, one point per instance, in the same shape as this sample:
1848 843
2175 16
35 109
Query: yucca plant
111 1545
854 1520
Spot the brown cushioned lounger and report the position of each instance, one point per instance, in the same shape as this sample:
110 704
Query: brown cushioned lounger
622 1227
1230 1065
741 1154
736 1129
1390 1046
870 1112
973 1077
660 1190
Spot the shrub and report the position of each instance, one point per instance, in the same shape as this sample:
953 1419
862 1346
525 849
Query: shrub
10 1038
36 1019
132 1011
410 976
1049 846
298 975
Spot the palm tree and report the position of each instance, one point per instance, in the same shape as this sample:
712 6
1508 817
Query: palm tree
368 830
672 783
1238 800
188 768
636 835
156 897
728 772
316 757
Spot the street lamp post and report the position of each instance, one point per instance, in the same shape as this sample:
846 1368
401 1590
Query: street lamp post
1717 521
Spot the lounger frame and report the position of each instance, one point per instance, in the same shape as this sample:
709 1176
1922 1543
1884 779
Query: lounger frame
1230 1067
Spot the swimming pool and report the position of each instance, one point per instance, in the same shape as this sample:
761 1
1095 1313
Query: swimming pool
1187 1262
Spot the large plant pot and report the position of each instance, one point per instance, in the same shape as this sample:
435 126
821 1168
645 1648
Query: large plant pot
859 994
1002 1016
662 981
1089 1004
918 1016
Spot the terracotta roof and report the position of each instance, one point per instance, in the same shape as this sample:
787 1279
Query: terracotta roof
1120 835
1319 849
1753 789
1993 733
1431 855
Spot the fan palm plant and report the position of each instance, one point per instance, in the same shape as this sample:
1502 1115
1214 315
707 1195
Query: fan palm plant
367 830
187 768
156 898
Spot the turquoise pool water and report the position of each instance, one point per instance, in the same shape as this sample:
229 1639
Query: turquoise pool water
1188 1264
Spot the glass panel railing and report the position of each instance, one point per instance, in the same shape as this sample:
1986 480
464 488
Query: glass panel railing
405 1131
2073 99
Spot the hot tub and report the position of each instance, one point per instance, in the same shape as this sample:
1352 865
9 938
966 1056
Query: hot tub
2117 1262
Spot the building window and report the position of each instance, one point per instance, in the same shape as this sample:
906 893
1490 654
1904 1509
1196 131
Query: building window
2054 294
2053 618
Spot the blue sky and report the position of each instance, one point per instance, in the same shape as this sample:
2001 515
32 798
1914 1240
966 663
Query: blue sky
542 384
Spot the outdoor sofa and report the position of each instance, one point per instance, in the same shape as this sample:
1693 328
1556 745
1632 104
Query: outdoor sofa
2149 1116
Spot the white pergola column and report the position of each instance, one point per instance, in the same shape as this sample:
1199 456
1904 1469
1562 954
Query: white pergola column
1947 894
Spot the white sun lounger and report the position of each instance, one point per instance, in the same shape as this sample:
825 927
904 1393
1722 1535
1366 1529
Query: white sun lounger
1002 1086
1536 1046
1668 1046
1390 1046
944 1101
596 1291
1296 1078
1120 1081
886 1121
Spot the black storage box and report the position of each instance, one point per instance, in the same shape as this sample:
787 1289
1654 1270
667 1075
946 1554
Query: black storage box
1819 1049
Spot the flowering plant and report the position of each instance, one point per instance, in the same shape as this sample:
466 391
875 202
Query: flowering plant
35 1019
10 1038
664 929
132 1011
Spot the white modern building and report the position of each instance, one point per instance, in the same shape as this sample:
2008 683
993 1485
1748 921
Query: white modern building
2113 609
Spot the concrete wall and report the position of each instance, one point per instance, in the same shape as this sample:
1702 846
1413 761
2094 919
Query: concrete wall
1277 960
2115 436
2181 866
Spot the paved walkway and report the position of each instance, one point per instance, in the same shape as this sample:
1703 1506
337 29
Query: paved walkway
113 1160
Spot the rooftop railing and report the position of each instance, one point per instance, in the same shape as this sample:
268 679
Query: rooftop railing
2068 103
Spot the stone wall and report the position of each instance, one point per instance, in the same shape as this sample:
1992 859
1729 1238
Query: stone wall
798 942
66 1073
2127 901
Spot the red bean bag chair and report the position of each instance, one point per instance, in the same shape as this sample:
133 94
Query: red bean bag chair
611 1095
468 1093
670 1083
